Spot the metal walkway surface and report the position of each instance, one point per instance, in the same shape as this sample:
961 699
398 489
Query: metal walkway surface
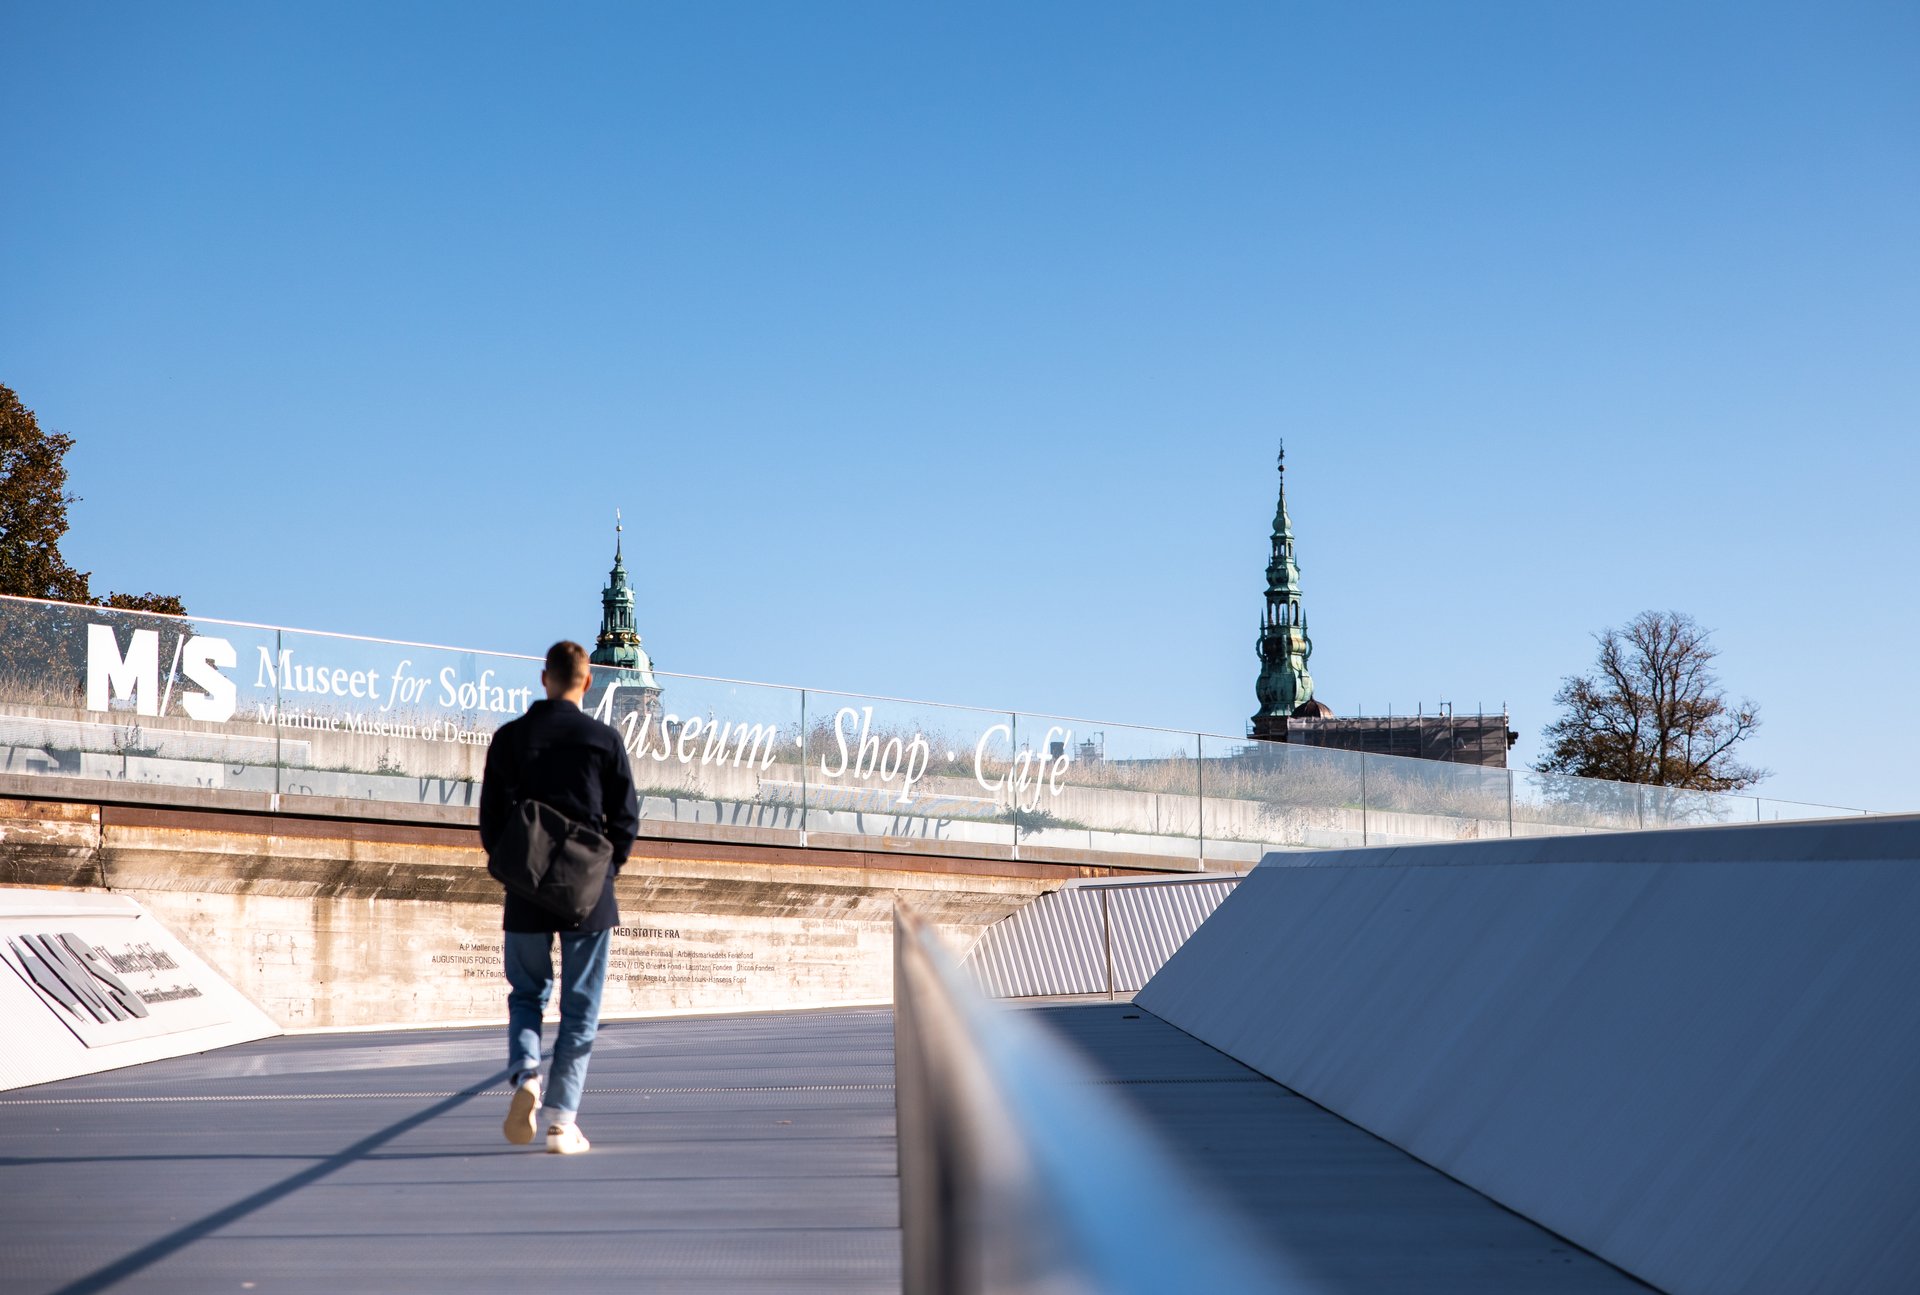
1352 1213
734 1154
731 1154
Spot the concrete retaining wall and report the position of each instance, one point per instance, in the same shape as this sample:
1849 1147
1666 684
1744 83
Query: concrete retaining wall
350 923
1696 1053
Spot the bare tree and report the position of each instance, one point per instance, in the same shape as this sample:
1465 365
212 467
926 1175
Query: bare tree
1652 712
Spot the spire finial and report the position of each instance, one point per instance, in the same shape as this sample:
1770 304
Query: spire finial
618 527
1283 454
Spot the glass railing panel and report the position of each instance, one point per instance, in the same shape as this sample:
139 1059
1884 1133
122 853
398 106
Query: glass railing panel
712 752
365 719
1548 804
1263 796
43 673
120 696
1683 807
1109 788
94 693
1410 801
911 770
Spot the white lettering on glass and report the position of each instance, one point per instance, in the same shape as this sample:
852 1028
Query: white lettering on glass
1028 774
201 662
135 675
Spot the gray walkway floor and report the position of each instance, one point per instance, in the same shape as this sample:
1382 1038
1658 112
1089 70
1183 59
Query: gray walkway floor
740 1154
731 1154
1357 1213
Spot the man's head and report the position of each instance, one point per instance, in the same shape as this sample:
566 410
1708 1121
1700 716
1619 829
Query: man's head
567 674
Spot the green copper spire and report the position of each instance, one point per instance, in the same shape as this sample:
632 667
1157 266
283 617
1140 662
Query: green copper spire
1284 687
619 642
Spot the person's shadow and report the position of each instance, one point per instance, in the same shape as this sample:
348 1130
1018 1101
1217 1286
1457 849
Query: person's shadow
180 1238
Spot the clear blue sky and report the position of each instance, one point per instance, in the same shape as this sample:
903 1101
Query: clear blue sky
942 351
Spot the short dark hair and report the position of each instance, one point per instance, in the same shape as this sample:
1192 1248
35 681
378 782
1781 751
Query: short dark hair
566 662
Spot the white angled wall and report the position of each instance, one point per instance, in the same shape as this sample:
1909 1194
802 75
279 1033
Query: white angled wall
1696 1053
55 1031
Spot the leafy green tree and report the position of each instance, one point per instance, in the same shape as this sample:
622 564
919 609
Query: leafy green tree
1652 711
33 518
33 507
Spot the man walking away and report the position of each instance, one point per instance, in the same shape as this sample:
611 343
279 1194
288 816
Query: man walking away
557 754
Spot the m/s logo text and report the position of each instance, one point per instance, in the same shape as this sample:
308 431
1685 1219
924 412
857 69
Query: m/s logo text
75 975
200 661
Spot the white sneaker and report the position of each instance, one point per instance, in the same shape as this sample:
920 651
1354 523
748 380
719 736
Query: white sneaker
566 1139
520 1125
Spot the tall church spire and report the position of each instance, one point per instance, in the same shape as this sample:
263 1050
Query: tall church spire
626 685
619 641
1284 687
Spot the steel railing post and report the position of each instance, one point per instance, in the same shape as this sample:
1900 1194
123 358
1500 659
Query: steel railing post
1106 939
1363 798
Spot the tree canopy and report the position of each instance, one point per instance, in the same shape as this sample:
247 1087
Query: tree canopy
33 518
1652 711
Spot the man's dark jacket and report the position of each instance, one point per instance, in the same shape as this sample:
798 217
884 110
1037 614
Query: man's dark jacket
558 754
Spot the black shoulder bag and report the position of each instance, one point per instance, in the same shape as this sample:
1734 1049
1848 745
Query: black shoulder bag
551 861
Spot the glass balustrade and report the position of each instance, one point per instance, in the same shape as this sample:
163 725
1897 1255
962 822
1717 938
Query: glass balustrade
250 715
938 777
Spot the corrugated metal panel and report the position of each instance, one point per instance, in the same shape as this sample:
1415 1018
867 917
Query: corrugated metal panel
1054 945
1149 923
1069 941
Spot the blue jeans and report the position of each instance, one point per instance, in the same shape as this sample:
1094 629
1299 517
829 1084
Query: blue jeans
583 974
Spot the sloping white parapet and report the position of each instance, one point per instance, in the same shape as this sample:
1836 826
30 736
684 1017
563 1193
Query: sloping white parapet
1696 1052
93 982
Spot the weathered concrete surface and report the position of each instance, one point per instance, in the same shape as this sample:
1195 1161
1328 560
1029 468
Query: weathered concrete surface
334 922
1694 1052
48 843
695 935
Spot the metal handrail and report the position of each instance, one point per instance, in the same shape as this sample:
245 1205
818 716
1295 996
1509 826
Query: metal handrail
1019 1173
